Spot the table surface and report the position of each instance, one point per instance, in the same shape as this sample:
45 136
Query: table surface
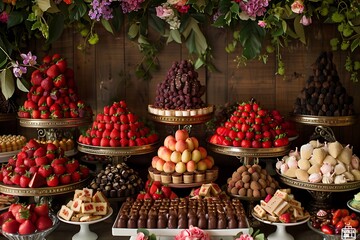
104 231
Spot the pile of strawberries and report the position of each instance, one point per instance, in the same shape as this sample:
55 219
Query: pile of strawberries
118 127
42 165
155 190
251 126
25 219
53 92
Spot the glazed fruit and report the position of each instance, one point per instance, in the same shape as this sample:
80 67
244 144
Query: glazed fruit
53 93
65 144
251 181
251 126
333 220
41 165
181 88
117 126
117 181
323 94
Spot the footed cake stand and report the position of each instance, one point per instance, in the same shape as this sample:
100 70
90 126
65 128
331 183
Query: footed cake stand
281 232
116 152
323 124
320 192
85 233
250 155
185 120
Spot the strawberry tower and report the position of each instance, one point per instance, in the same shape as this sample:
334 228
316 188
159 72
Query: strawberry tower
53 105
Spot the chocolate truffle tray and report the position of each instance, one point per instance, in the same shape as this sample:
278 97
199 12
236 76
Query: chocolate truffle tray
225 234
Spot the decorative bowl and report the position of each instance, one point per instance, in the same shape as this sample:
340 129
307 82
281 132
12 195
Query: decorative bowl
34 236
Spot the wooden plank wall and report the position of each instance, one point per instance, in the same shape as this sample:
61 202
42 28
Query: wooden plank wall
106 73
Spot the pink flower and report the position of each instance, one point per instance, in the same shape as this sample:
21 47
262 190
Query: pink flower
164 12
297 6
245 237
306 21
262 23
193 233
4 16
141 236
254 8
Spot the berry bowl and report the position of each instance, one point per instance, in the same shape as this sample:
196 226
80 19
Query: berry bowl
34 236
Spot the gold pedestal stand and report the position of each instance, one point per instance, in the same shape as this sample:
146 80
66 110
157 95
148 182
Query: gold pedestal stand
249 156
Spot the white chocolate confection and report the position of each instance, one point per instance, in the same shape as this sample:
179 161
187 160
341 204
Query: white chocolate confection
180 113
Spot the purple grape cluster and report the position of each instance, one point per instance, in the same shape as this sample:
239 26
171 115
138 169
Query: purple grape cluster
181 89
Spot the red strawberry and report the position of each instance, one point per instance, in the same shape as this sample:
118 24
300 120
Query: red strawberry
104 142
141 195
57 114
114 142
15 178
59 81
47 84
85 171
285 217
71 166
74 113
45 170
33 169
147 196
27 227
65 178
10 226
52 180
14 208
45 114
41 209
25 180
41 161
59 169
153 188
62 65
42 101
37 180
95 141
36 77
53 71
21 169
5 216
173 195
30 105
43 223
76 176
22 214
166 191
40 152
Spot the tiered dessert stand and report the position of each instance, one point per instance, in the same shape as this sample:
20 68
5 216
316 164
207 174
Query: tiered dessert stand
85 232
118 153
320 192
280 232
181 121
249 156
52 129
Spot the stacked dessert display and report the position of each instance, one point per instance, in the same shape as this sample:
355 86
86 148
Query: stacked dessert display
251 133
118 132
178 98
87 207
53 106
282 210
40 170
323 101
181 162
321 169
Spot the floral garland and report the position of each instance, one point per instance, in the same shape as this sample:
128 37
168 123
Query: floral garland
182 21
195 233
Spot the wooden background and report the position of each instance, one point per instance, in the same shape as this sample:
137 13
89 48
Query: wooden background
105 73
